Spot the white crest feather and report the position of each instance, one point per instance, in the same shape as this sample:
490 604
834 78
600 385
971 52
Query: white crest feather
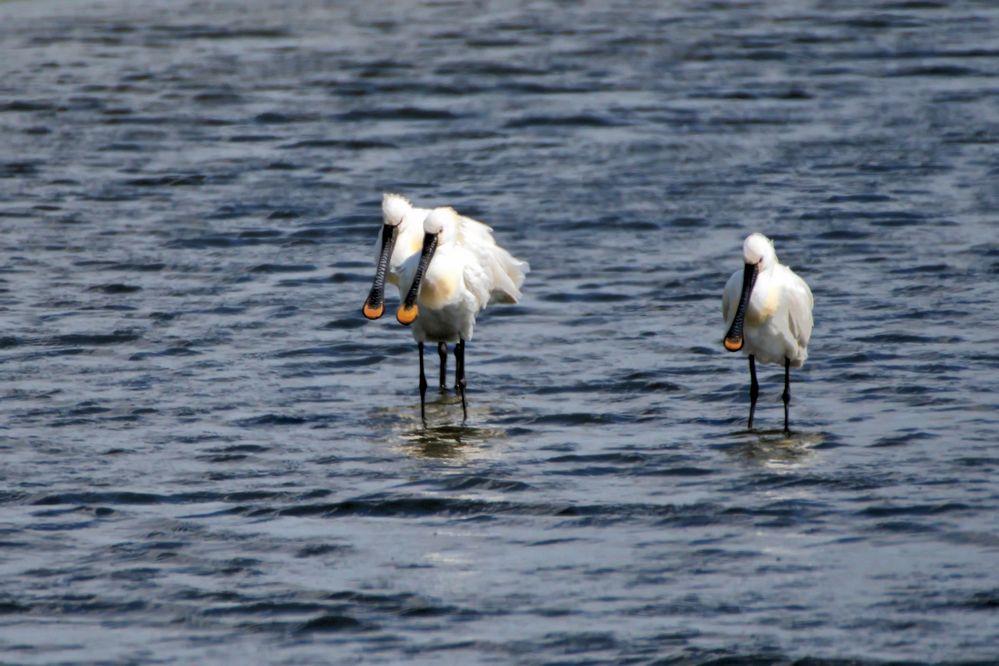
757 247
439 219
394 208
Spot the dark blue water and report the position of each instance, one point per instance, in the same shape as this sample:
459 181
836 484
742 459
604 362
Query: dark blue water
209 456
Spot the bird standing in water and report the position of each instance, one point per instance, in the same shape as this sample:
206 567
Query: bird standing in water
768 315
400 239
458 270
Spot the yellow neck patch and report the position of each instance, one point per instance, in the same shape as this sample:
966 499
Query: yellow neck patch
438 289
758 316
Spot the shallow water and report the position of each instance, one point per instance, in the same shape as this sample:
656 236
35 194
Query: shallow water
209 456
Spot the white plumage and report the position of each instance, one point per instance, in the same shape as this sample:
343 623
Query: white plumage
448 267
468 271
769 317
400 237
779 313
408 219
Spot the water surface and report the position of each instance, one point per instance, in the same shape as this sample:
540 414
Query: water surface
209 456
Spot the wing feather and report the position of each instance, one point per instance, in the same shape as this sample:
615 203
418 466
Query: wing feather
799 308
502 274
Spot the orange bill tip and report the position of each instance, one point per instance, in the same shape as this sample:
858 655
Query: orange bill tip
733 344
407 316
373 312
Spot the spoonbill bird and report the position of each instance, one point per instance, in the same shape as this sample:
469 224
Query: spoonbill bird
459 271
401 238
768 315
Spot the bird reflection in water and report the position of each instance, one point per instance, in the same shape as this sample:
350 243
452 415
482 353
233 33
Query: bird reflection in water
454 440
459 442
777 450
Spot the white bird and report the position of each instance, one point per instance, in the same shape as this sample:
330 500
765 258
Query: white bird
450 269
460 271
768 315
401 238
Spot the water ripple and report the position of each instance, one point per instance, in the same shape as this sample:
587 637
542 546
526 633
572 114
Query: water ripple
209 453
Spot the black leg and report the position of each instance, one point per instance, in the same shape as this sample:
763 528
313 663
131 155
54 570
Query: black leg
459 362
754 389
787 393
423 387
442 352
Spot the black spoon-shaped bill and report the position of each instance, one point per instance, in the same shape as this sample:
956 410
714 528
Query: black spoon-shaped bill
733 339
408 310
374 306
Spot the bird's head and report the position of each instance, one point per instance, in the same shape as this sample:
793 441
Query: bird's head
439 227
758 250
394 208
442 223
758 253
